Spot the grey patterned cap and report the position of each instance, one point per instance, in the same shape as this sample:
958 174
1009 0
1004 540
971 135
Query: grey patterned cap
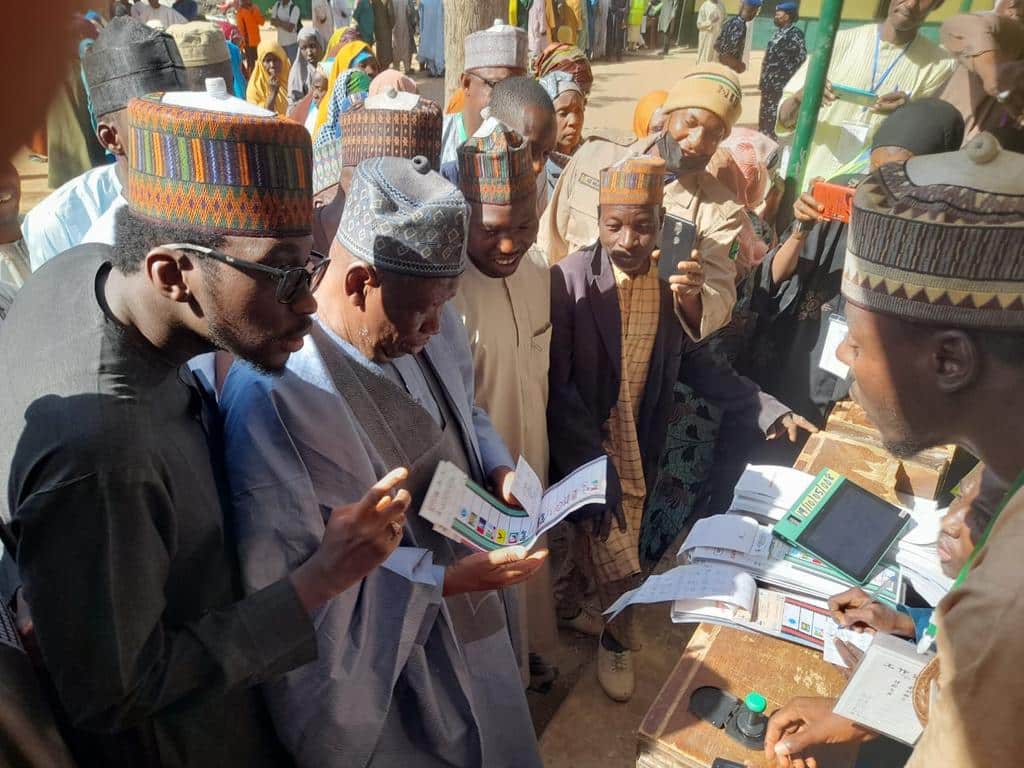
500 45
403 217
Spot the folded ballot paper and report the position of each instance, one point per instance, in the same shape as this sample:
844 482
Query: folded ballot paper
463 511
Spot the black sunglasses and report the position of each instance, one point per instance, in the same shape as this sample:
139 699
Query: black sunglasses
290 282
489 83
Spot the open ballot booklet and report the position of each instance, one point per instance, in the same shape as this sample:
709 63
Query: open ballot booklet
463 511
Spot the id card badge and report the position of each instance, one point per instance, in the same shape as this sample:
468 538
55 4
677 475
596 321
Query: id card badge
834 336
853 137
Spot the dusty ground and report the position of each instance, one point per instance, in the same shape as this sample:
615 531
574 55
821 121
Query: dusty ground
580 726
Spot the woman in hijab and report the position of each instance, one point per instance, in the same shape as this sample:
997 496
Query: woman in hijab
353 55
269 83
350 89
311 50
560 57
645 110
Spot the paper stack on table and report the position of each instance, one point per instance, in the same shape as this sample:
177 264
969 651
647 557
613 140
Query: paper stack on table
463 511
742 541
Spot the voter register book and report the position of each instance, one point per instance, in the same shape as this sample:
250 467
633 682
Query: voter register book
465 512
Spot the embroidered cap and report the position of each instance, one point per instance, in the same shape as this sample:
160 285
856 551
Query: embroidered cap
633 181
393 124
214 162
500 45
496 167
401 216
937 239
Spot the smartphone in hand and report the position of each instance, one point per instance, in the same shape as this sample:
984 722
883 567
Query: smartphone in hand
678 237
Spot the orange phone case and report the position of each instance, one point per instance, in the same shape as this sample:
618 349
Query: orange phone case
837 199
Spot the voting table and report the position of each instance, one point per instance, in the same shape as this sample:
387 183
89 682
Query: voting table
670 735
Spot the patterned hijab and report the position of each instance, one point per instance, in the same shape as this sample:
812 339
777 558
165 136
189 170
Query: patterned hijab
562 57
350 89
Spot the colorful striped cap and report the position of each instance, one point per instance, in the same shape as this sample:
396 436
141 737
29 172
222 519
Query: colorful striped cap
713 87
633 181
938 239
214 162
495 166
393 124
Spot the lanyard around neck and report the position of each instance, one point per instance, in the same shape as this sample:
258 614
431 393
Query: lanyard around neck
874 69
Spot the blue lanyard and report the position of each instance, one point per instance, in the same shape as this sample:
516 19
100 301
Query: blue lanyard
874 69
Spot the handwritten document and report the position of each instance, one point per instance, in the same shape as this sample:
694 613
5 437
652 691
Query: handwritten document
699 585
463 511
880 695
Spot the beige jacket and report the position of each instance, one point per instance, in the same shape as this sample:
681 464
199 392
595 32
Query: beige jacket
975 719
570 221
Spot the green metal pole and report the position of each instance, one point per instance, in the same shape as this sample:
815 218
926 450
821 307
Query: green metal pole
817 70
965 6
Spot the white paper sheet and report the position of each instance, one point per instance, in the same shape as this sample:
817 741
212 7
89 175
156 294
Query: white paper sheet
706 582
880 693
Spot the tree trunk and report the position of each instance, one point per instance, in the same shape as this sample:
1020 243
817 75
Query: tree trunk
463 17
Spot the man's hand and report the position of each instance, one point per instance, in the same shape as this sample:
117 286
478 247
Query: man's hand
803 723
357 539
856 610
499 568
790 424
502 480
807 208
688 279
889 102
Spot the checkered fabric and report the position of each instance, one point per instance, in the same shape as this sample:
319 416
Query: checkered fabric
401 216
639 306
497 168
633 181
229 173
938 239
326 164
410 133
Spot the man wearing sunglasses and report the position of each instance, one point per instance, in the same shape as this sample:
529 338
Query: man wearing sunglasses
112 463
491 55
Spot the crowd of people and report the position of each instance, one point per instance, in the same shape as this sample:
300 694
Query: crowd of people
279 286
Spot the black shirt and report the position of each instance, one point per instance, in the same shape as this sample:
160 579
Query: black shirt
122 549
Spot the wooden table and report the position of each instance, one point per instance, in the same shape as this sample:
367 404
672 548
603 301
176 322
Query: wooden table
738 662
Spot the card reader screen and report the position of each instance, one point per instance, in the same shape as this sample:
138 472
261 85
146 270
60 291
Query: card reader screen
853 531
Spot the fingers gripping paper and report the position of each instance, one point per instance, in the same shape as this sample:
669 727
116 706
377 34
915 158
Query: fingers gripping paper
463 511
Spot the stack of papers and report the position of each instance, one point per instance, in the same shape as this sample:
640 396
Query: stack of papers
767 493
917 551
743 542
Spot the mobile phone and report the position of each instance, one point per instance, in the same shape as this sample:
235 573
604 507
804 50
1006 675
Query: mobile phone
854 95
837 199
677 239
721 762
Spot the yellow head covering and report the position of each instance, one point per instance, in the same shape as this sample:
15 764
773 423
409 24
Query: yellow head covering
258 90
342 63
644 112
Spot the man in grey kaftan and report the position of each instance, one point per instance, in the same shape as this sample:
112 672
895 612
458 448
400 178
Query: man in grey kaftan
405 675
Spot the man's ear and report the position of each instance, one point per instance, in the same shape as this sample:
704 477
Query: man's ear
464 82
359 278
167 271
956 360
110 138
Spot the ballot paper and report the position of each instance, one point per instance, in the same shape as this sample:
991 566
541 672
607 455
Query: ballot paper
463 511
880 695
710 585
860 640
